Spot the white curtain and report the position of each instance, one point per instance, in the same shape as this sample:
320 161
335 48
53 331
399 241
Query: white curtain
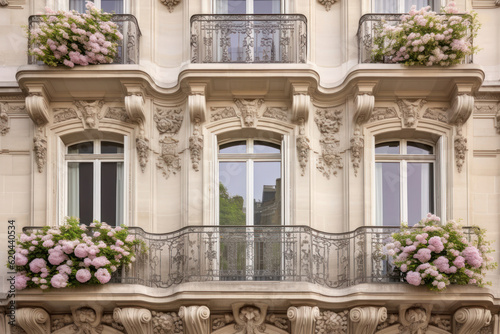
399 6
379 194
425 189
119 193
78 5
74 189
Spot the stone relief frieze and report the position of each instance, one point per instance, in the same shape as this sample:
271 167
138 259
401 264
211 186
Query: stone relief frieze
303 147
328 122
117 113
167 323
436 114
485 109
168 120
40 149
64 114
279 113
330 322
218 113
379 114
196 145
169 161
410 112
248 111
90 113
170 4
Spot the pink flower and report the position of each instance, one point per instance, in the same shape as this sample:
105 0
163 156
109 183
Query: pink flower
423 255
81 251
100 261
441 285
20 259
437 245
96 234
442 264
59 281
83 275
102 275
129 238
413 278
21 281
48 243
37 264
472 256
56 257
64 269
459 262
68 63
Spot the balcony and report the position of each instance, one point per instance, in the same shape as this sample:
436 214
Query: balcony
248 39
128 48
366 34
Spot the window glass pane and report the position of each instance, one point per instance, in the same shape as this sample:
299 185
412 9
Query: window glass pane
80 191
234 147
110 147
112 6
78 5
386 6
267 193
418 148
266 6
418 3
232 193
112 193
231 7
420 191
81 148
387 148
265 147
387 188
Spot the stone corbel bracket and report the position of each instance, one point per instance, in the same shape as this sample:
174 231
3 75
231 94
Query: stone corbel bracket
472 319
33 320
364 320
37 104
135 320
196 319
197 105
303 319
301 101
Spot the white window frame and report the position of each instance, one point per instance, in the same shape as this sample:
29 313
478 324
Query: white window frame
403 159
64 5
249 7
401 4
96 160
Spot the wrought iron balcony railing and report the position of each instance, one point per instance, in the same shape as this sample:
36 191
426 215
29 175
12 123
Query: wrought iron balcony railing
248 38
128 48
366 35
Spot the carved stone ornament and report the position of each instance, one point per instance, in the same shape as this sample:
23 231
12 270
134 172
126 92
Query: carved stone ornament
59 321
409 112
436 114
379 114
33 320
328 122
357 145
414 319
327 3
218 113
497 3
279 113
197 101
248 111
87 319
134 107
169 161
117 113
64 114
4 2
391 320
497 120
142 147
170 4
89 113
441 321
461 109
460 148
37 107
301 101
167 323
135 320
195 319
471 319
40 149
196 145
364 320
250 319
168 120
485 109
330 322
4 119
303 148
303 319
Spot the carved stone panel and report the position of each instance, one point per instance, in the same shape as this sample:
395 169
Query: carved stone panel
379 114
460 148
4 119
357 144
142 147
330 322
436 114
170 4
117 113
303 148
218 113
328 122
40 149
167 323
414 319
279 113
168 120
169 161
64 114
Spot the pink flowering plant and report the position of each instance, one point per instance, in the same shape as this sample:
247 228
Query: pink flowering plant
437 255
424 37
73 254
70 38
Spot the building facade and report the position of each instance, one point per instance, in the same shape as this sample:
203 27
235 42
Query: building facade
262 157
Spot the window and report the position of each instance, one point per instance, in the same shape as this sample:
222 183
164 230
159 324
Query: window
248 7
109 6
95 181
404 181
402 6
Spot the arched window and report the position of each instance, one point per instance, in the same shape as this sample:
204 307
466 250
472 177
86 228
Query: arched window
404 181
95 181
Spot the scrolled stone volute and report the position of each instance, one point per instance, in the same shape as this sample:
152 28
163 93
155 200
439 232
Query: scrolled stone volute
38 108
303 319
135 320
134 105
461 109
472 318
365 104
33 320
196 319
364 320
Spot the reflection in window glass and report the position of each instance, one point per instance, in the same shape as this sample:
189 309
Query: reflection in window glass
112 6
266 7
81 191
265 147
231 7
233 147
81 148
267 193
110 147
400 6
387 185
418 148
420 185
112 192
387 148
232 193
78 5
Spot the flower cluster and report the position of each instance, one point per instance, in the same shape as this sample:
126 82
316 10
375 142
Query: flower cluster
70 38
437 255
426 38
72 254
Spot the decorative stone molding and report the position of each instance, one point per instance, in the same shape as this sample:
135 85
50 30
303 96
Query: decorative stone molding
4 2
89 113
303 147
87 318
497 119
471 319
410 112
170 4
168 121
327 3
134 107
195 319
111 322
33 320
391 320
169 161
482 4
142 147
166 323
197 101
461 109
365 104
196 145
218 113
135 320
441 321
280 322
40 149
460 148
60 321
248 111
250 319
279 113
414 319
301 101
332 323
328 122
38 108
357 145
64 114
485 109
436 114
364 320
117 113
379 114
4 119
303 319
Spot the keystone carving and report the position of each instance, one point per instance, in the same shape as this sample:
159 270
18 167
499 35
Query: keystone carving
218 113
250 319
328 122
135 320
409 112
414 318
170 4
332 323
33 320
303 147
64 114
327 3
248 111
303 319
460 148
196 145
4 119
168 120
472 319
166 323
89 113
195 319
142 147
40 149
169 161
279 113
364 320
